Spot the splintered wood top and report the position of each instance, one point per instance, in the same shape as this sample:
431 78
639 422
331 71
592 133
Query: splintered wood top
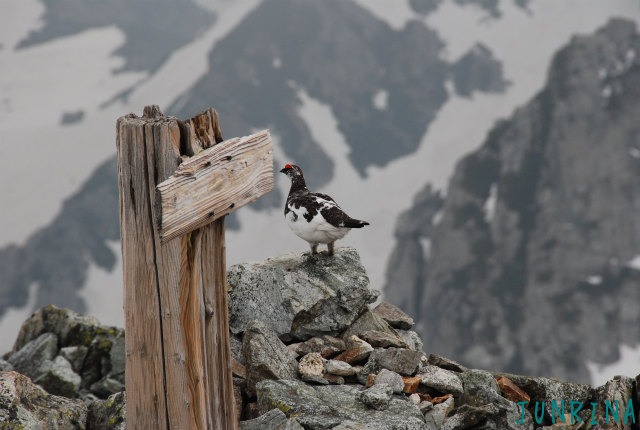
214 183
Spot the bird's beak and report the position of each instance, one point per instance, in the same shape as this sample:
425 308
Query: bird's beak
283 171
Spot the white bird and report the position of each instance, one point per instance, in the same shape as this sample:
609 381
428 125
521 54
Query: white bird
315 217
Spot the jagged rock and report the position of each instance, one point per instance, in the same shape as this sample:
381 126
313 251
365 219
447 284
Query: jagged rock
107 414
402 361
411 338
368 321
299 296
323 407
5 366
481 388
391 379
70 327
468 416
425 406
26 405
380 339
415 398
619 390
377 397
275 419
511 391
105 387
341 368
266 357
104 360
435 416
394 316
445 363
440 379
327 346
547 389
357 350
28 359
236 348
75 355
57 377
311 365
411 384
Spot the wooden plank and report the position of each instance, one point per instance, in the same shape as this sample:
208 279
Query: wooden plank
144 359
218 351
214 183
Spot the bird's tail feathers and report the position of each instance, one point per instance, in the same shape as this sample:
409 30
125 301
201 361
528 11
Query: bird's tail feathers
355 223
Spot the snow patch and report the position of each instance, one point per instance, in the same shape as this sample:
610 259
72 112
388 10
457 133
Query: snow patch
425 242
627 365
634 263
594 280
490 203
13 318
380 99
103 291
396 14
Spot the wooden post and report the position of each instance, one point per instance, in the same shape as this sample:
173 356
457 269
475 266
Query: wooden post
177 181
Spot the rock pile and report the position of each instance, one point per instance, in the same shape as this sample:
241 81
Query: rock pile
309 352
78 366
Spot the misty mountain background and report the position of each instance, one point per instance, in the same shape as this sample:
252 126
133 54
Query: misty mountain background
493 145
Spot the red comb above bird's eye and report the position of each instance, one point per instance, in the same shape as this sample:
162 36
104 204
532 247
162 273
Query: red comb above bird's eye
288 166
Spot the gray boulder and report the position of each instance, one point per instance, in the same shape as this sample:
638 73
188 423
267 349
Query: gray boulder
108 414
327 406
5 366
402 361
24 405
442 380
377 397
299 295
57 377
480 389
367 322
266 357
70 327
327 346
394 316
75 355
391 379
28 359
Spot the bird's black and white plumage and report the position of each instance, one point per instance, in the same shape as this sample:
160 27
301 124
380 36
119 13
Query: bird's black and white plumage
315 217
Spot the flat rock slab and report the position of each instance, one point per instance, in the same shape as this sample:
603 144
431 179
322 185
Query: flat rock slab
275 419
27 406
298 295
323 407
442 380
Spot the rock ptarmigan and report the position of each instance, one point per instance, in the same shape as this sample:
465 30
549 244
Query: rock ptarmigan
315 217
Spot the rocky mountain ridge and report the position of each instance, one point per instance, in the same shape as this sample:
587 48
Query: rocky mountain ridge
308 353
527 262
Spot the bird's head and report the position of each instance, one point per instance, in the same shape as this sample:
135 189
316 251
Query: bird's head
292 171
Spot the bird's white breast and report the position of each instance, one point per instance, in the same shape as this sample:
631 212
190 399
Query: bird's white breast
318 230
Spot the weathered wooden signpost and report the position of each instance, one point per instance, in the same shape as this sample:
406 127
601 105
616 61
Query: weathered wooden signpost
177 181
